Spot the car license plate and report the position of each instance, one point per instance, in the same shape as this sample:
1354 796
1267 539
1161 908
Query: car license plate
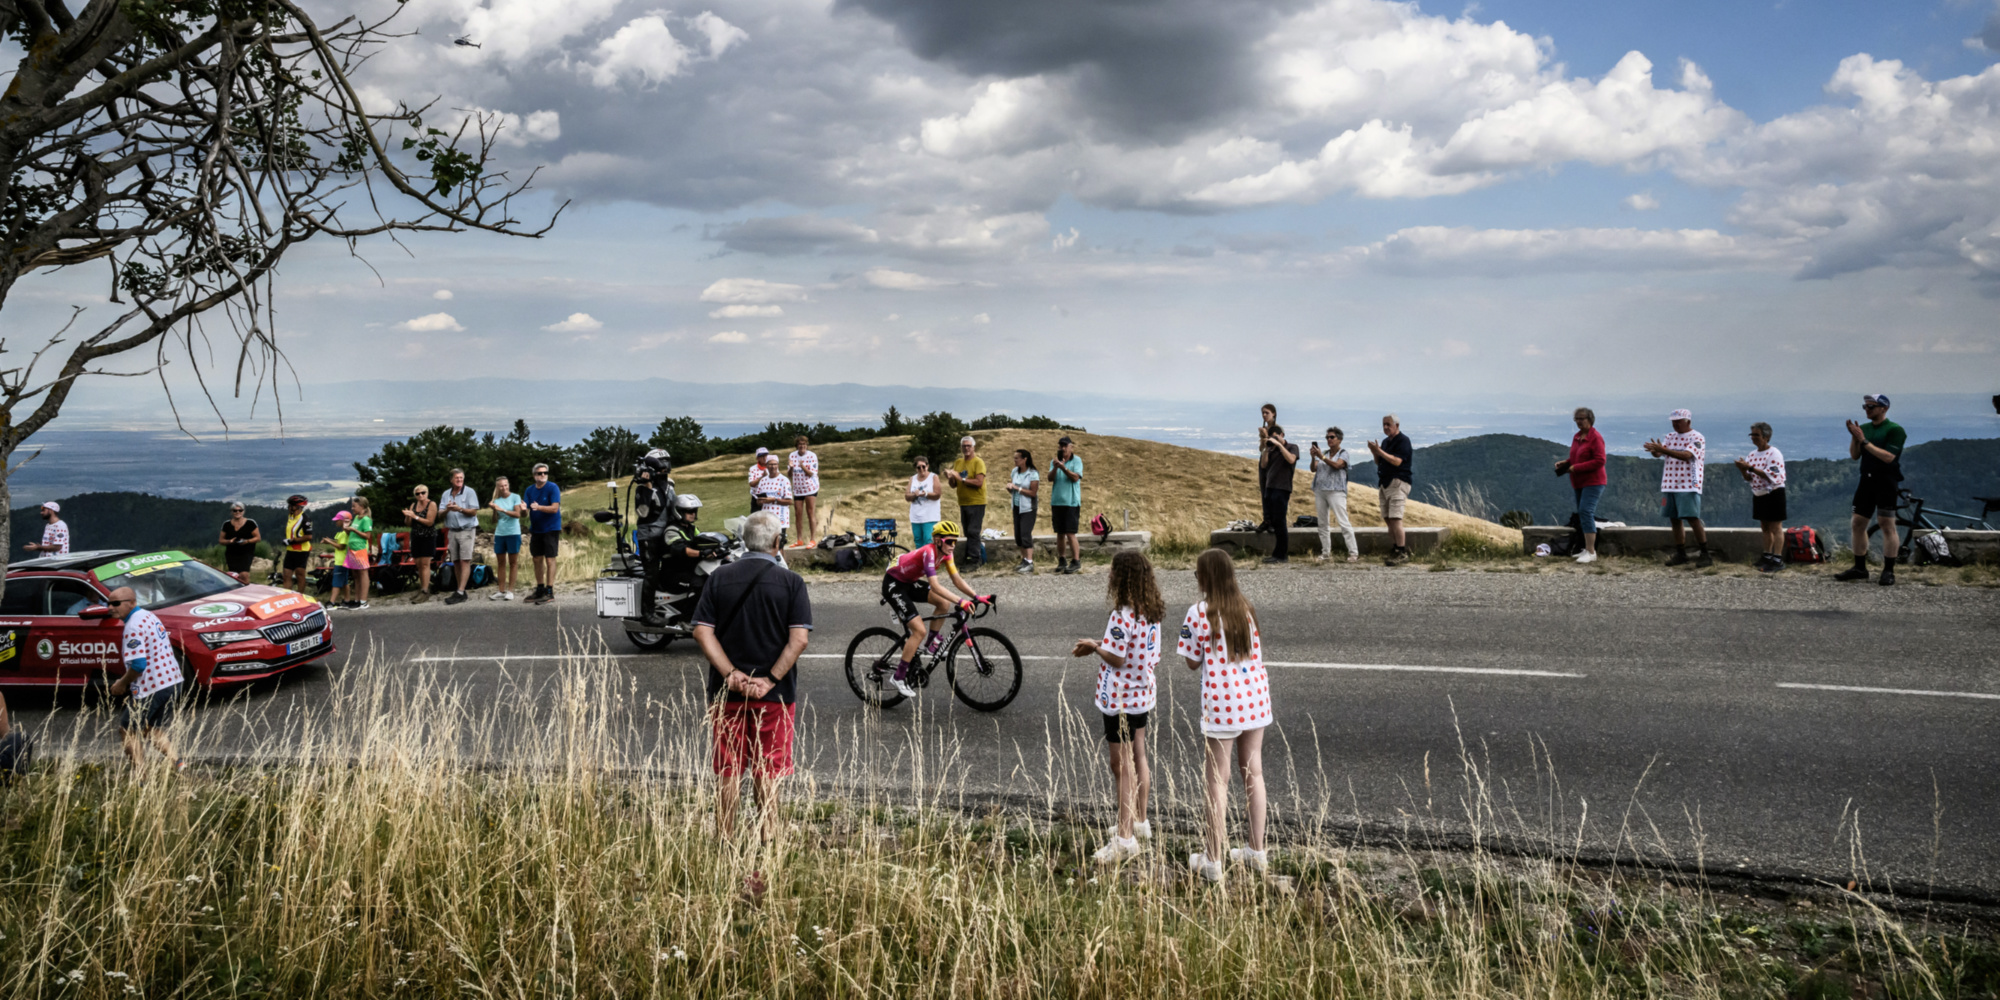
303 644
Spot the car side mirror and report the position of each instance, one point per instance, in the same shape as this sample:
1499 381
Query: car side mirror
605 516
95 611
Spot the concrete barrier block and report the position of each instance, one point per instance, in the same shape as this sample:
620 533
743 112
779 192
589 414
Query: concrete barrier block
1305 541
1726 544
1974 546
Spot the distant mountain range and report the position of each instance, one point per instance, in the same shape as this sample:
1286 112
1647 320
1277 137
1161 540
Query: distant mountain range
1514 472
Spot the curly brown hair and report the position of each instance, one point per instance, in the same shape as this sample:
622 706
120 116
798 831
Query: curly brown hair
1134 586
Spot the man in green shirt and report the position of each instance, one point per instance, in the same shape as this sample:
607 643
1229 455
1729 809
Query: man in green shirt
1879 445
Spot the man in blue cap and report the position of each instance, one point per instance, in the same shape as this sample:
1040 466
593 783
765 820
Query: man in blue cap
1879 445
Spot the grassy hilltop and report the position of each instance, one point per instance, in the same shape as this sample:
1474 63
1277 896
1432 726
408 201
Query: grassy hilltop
1180 494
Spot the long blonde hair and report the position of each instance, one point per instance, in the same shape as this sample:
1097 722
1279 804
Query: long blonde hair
1133 585
1215 575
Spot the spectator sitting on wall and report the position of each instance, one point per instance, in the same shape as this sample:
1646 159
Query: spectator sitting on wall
1585 468
1764 470
1393 457
1681 477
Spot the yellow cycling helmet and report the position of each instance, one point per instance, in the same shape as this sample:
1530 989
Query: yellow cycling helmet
950 528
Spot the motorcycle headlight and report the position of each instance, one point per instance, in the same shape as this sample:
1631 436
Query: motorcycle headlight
217 640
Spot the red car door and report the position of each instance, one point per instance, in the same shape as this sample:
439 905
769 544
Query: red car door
23 598
74 648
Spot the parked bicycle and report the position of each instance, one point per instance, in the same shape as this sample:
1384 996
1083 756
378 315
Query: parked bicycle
1913 520
981 663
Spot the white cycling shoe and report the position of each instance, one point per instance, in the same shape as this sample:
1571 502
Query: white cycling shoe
902 687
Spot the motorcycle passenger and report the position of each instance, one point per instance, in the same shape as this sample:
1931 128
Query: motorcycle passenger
913 578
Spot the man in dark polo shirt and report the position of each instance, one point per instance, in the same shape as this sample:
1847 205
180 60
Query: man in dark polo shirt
1392 473
1276 460
752 623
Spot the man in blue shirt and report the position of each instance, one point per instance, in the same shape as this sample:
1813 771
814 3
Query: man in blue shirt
1066 504
544 532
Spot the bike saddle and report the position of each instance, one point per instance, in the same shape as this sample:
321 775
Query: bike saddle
1992 503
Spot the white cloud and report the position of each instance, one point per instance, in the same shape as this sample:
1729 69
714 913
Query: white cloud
643 48
512 29
981 318
746 312
1064 241
576 323
901 281
752 291
647 342
434 323
1462 249
730 337
442 295
722 36
1642 202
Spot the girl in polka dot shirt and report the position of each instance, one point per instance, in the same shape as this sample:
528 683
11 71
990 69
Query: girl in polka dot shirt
1127 656
1219 639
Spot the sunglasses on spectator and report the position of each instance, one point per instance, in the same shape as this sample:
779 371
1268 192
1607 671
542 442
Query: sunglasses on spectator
124 600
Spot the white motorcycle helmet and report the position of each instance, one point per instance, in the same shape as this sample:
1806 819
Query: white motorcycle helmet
687 501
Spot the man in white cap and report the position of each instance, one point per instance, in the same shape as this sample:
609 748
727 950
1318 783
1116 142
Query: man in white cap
1879 445
1680 485
757 474
55 534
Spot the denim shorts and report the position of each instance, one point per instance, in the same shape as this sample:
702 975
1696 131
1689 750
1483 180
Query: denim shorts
339 578
506 545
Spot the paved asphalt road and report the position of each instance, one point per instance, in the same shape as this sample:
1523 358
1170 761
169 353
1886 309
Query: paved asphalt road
1747 721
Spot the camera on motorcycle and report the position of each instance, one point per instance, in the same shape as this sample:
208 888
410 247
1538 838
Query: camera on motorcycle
605 516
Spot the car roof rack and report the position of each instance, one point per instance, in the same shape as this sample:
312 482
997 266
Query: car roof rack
75 560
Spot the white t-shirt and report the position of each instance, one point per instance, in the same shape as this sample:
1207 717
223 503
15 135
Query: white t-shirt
1678 476
56 533
1130 689
774 495
1234 696
149 650
805 473
926 511
1772 462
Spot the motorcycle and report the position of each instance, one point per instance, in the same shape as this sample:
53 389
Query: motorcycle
651 594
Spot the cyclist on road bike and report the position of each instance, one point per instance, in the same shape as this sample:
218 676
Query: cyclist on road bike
912 579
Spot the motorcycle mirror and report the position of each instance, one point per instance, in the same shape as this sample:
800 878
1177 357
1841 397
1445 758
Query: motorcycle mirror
605 516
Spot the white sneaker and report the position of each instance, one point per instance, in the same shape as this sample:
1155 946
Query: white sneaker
498 595
506 595
1210 870
1587 557
1141 829
902 687
1118 849
1256 861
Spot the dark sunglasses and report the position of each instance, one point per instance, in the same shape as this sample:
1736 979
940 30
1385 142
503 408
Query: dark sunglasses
124 600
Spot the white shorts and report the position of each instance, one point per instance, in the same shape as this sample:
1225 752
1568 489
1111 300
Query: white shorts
1226 734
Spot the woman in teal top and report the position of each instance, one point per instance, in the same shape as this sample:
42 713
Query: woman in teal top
1024 483
507 513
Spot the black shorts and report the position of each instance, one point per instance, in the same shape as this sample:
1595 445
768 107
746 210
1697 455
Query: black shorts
543 544
154 711
1024 528
297 560
1114 733
1876 497
423 546
904 598
1769 507
1065 519
239 557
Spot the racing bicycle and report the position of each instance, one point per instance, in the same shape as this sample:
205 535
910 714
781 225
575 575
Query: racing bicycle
982 664
1914 519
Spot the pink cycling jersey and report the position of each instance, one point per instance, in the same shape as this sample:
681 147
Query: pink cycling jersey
919 565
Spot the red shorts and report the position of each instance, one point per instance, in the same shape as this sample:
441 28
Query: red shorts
753 734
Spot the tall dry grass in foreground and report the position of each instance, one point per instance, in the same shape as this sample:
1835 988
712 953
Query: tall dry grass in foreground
407 840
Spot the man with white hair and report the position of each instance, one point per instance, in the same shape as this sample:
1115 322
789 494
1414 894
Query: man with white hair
1681 483
752 622
55 534
968 475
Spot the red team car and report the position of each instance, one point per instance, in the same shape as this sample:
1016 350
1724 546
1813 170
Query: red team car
56 628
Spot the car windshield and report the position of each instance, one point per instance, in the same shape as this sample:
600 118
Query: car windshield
161 584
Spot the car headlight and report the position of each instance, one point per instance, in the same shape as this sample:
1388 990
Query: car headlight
217 640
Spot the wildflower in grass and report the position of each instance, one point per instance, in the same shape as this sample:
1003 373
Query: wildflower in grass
115 975
192 880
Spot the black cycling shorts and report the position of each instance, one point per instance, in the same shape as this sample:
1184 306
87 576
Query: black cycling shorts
904 598
297 560
1876 497
1114 733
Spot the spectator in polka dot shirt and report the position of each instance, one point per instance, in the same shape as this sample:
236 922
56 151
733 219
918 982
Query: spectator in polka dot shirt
1128 655
1219 639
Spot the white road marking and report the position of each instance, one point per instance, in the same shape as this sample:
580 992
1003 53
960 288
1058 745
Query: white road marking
1875 690
517 656
842 656
1495 671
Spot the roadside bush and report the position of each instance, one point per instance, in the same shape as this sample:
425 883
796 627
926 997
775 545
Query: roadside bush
935 434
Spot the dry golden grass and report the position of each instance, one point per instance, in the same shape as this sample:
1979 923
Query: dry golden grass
1180 494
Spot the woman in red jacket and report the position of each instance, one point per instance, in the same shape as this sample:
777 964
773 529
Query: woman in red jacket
1585 467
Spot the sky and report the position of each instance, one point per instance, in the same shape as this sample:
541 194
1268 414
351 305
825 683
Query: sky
1194 199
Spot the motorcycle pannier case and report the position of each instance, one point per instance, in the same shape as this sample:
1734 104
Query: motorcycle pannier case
617 597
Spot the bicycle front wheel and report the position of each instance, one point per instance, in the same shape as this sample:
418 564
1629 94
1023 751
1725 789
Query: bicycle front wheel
871 661
1905 532
985 669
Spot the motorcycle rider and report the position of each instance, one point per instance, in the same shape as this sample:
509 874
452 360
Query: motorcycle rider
680 555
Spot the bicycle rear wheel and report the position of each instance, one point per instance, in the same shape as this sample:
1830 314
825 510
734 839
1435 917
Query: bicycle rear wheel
985 669
871 661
